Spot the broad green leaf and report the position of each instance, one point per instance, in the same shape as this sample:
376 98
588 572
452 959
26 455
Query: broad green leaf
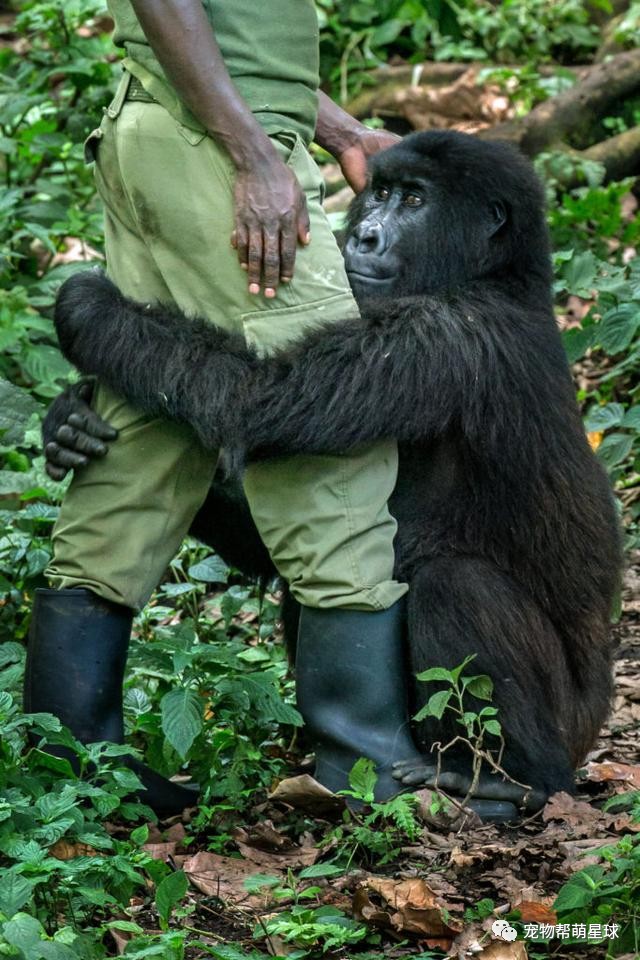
604 417
576 893
577 341
211 570
363 779
579 274
15 892
618 327
169 894
615 448
480 687
632 418
181 712
438 703
16 407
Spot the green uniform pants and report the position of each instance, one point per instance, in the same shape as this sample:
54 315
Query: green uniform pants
168 198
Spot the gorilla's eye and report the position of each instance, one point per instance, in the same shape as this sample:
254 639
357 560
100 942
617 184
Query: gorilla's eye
413 200
381 194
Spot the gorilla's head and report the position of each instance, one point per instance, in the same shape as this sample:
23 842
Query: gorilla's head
444 208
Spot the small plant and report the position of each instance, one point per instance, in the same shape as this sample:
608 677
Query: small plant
478 727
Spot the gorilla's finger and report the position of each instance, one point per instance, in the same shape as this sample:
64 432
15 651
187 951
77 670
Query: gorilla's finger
271 262
80 442
63 457
411 773
56 473
254 259
93 425
85 391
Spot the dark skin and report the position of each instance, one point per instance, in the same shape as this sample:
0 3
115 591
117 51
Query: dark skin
270 207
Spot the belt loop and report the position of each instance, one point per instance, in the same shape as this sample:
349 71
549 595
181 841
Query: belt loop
114 108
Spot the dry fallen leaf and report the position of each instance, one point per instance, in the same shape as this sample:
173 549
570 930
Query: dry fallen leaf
305 793
222 877
63 850
562 806
605 772
534 912
411 906
505 951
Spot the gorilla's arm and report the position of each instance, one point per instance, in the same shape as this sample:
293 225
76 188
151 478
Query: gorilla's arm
410 369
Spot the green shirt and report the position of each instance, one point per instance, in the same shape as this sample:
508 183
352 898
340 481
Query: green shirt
270 48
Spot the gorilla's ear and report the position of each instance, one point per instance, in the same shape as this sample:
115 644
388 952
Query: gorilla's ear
497 216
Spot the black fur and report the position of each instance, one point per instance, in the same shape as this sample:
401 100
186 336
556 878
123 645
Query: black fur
507 530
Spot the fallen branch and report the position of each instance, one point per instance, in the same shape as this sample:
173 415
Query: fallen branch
573 111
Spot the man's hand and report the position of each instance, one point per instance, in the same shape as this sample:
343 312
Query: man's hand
271 219
349 141
353 159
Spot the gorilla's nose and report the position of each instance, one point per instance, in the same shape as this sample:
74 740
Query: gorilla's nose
368 237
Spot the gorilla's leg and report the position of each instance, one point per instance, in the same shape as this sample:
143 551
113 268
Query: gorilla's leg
460 606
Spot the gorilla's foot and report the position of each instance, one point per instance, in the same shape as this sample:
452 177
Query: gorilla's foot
495 800
76 657
351 686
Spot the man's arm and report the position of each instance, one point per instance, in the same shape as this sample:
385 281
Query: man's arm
270 206
349 141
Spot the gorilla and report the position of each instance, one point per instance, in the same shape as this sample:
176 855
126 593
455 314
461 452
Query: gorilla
507 532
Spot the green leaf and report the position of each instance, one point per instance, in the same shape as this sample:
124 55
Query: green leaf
15 892
16 407
169 894
480 687
632 418
492 726
436 673
438 703
615 448
618 327
387 32
580 273
211 570
363 779
321 870
576 893
577 341
601 418
181 712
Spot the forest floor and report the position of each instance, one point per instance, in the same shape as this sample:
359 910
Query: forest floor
453 865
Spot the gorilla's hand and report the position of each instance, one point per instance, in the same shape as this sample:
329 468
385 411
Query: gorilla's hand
72 434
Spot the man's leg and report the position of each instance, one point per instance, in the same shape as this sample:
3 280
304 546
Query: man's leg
121 522
327 525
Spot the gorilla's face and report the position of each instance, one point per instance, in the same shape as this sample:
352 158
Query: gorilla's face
395 214
422 227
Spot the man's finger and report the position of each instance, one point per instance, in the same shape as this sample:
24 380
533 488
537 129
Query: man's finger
93 424
271 261
254 259
288 246
304 225
240 240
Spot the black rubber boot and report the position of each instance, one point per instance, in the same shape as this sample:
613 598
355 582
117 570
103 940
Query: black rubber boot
76 658
351 682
